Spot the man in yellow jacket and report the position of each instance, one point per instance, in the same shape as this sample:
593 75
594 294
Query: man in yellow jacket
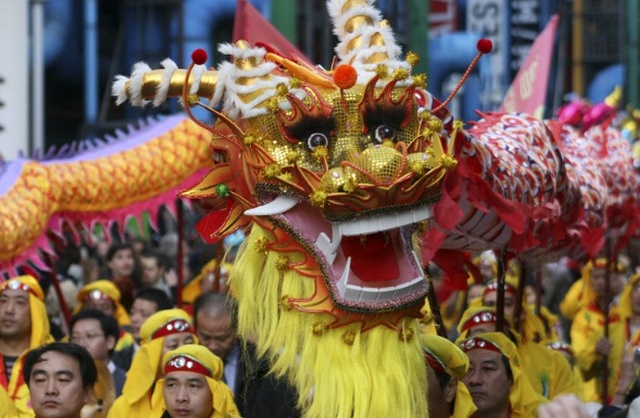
588 340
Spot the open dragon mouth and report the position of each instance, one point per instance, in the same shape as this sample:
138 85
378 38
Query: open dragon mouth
369 263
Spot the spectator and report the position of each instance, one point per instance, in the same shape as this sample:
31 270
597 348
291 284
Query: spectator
155 266
123 271
60 377
98 333
215 318
146 303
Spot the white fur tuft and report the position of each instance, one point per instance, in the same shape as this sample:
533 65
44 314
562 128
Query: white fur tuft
118 89
135 84
163 89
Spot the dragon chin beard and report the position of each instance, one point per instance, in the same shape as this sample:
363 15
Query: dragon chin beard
342 364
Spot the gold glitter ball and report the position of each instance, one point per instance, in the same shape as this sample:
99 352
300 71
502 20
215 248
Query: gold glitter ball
272 105
448 162
420 80
318 328
272 170
412 58
458 124
435 124
295 83
248 139
261 245
337 180
284 302
400 73
192 99
282 89
382 70
320 152
282 263
318 198
406 335
424 115
293 157
349 337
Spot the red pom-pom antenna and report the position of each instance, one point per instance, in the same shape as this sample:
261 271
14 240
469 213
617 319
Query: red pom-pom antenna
345 76
485 45
199 56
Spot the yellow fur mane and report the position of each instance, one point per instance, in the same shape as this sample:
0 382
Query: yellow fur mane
379 372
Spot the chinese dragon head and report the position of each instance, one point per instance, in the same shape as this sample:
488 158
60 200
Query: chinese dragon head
333 173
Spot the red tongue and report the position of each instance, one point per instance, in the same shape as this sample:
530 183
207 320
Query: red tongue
372 260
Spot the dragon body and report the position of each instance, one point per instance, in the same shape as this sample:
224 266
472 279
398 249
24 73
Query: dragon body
123 176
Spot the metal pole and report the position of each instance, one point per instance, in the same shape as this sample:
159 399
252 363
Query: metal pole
633 55
90 62
605 311
502 260
517 314
37 75
180 254
435 310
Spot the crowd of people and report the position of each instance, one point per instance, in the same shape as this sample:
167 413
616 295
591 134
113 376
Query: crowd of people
127 350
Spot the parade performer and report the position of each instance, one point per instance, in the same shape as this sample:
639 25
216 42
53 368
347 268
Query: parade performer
588 340
504 392
25 326
162 332
529 325
104 296
548 372
187 363
447 365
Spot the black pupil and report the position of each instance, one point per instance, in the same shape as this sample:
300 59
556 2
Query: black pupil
317 140
384 132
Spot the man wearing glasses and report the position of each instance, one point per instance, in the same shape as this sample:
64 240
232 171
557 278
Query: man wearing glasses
98 333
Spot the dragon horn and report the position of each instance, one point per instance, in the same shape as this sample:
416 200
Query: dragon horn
364 37
146 84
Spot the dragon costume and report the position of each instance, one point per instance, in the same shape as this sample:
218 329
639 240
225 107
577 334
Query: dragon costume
337 175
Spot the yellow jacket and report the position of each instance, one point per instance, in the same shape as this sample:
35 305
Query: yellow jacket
586 330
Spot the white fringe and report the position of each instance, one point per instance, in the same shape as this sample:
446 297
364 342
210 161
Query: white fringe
163 89
118 89
135 84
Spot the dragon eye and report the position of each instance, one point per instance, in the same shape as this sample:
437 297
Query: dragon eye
317 139
383 133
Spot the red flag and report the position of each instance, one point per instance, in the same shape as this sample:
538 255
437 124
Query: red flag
528 91
251 26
